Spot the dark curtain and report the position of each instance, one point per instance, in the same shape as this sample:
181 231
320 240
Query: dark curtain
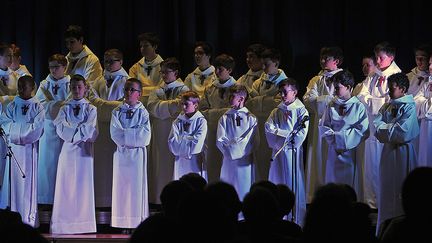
297 28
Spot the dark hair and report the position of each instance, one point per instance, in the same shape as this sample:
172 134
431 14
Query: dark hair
27 79
224 60
241 90
385 47
288 81
400 79
171 63
272 53
3 48
77 78
257 49
426 48
134 80
191 96
207 47
74 31
115 53
150 37
58 58
332 51
345 78
370 55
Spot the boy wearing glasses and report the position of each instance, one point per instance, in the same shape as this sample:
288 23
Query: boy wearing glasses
52 93
187 137
164 105
130 130
110 86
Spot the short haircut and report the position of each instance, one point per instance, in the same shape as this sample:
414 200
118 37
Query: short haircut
191 96
224 60
150 37
332 51
61 59
426 48
272 53
171 63
134 80
288 82
3 48
400 79
385 47
240 90
370 55
77 78
74 31
16 51
27 79
116 53
207 47
257 49
345 78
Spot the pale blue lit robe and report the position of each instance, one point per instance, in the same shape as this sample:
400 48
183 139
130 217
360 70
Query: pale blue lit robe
423 101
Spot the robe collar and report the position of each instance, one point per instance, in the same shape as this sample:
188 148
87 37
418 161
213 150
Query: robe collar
85 52
294 105
230 82
197 115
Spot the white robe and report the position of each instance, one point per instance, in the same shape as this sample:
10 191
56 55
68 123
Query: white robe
237 138
345 126
198 80
417 78
115 91
8 82
163 110
249 78
278 128
318 95
186 142
22 71
396 126
214 104
374 94
423 101
130 130
23 124
149 82
86 63
51 94
74 205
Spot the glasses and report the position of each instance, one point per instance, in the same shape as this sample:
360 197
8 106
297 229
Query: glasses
165 71
111 61
131 90
54 67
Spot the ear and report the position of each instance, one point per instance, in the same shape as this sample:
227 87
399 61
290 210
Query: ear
121 62
337 62
277 64
81 40
176 73
229 70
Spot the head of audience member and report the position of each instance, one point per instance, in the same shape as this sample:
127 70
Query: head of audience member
203 52
271 58
385 53
190 101
197 182
369 65
113 60
16 57
270 186
149 43
74 39
238 96
331 58
398 85
288 89
57 65
78 86
155 228
170 69
261 206
26 85
172 195
422 54
343 82
417 195
132 91
224 65
286 199
5 56
254 57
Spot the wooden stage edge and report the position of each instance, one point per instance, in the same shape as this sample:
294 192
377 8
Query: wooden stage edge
87 237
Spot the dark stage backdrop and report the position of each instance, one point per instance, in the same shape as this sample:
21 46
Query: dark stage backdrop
298 28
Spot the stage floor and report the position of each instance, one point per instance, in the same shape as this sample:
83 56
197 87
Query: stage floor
100 238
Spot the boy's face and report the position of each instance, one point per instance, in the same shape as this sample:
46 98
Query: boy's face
112 64
342 91
269 66
368 66
288 94
132 93
189 107
253 61
78 89
25 89
222 73
201 58
430 64
168 75
236 101
147 49
56 70
16 61
74 45
421 60
329 63
395 91
6 59
383 60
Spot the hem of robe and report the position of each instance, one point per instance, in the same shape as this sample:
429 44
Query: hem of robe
73 228
126 222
